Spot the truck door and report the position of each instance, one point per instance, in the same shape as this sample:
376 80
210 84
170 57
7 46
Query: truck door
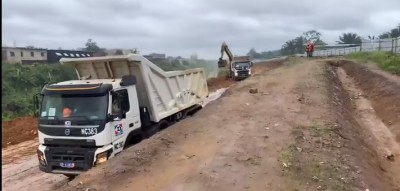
120 128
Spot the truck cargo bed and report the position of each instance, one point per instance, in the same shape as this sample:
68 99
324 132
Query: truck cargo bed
163 93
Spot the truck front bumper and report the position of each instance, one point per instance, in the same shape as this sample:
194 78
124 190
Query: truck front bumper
242 74
82 159
51 158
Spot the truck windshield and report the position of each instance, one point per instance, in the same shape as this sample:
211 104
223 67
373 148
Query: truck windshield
242 64
74 107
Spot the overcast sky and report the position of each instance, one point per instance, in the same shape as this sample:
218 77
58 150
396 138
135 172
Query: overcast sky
184 27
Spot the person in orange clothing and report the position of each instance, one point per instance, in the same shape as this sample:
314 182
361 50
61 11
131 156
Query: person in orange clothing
309 49
67 112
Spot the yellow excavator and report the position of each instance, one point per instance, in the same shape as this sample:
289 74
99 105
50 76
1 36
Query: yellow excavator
237 67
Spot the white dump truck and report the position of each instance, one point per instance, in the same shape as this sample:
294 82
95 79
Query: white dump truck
86 122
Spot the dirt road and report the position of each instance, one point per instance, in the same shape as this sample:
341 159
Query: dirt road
311 126
20 169
299 132
19 159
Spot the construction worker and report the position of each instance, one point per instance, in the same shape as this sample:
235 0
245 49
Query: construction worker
309 49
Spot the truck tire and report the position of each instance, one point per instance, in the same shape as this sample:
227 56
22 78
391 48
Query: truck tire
153 129
70 176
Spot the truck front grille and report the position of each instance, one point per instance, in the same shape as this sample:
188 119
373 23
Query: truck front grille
81 157
243 73
65 157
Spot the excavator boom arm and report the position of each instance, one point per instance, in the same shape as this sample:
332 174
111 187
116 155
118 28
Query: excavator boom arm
224 48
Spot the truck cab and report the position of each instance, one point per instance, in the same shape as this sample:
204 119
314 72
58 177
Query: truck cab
85 122
241 69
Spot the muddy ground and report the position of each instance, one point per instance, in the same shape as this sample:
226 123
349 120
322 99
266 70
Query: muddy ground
19 160
313 125
18 130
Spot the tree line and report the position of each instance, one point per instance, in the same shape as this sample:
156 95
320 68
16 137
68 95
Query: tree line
297 44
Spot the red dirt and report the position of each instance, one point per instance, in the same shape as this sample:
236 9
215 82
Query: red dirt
301 131
218 82
260 67
18 130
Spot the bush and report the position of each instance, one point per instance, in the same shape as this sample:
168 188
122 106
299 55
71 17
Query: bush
386 61
21 83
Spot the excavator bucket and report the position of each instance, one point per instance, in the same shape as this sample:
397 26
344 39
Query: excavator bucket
222 63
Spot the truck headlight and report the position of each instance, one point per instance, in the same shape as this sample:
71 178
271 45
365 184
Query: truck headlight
236 73
101 157
42 160
249 72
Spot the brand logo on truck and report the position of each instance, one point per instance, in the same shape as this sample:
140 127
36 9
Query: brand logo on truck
118 130
67 132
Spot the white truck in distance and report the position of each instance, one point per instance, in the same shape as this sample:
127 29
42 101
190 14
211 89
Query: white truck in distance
85 122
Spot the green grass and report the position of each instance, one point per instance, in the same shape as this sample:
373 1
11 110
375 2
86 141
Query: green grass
320 131
386 61
289 156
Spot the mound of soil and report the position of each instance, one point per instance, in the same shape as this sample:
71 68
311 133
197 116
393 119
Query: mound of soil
260 67
18 130
218 82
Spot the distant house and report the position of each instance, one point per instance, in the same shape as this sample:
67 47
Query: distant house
54 56
23 55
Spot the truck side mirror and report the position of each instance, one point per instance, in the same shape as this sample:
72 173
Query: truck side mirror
110 117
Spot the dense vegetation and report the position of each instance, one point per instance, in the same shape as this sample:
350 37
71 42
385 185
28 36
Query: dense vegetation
21 83
393 33
385 60
349 38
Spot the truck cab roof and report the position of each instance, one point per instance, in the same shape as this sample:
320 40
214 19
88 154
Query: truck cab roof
114 82
97 86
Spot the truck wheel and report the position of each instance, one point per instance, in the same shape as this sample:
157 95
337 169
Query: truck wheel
70 176
163 124
150 131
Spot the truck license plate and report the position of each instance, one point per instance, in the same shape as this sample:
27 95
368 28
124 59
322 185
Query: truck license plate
67 164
